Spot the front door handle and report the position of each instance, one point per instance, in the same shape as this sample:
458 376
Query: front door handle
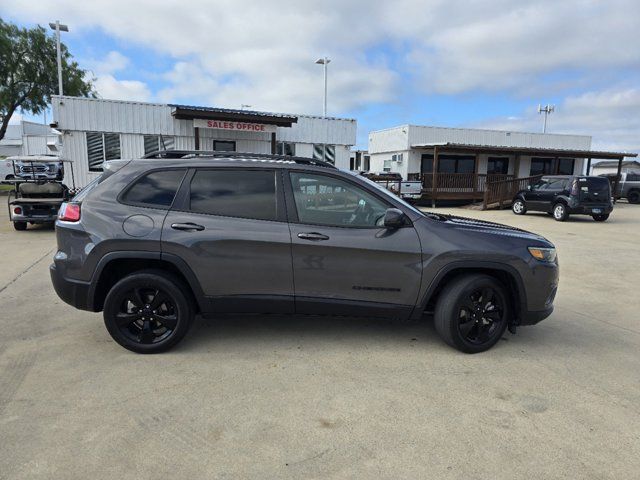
187 227
312 236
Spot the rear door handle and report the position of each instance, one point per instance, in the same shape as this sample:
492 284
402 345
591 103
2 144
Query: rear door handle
315 236
187 227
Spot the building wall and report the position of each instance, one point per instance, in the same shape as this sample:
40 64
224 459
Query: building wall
76 116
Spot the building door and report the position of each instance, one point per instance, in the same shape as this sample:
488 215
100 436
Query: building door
343 260
497 165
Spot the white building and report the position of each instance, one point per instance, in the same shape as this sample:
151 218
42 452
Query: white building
28 138
611 168
95 130
409 150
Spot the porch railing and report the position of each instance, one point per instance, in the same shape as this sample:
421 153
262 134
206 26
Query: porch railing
499 192
454 186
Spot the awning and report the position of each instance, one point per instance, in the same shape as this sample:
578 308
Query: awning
530 151
187 112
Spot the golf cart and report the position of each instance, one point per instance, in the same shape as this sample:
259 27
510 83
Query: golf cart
35 199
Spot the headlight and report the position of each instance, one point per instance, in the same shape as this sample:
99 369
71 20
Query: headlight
547 255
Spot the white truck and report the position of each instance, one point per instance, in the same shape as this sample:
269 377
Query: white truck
406 189
628 186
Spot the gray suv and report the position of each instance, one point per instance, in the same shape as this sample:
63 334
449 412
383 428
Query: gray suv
153 242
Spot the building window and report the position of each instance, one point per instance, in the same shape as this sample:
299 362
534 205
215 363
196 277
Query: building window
497 165
426 163
565 166
386 166
456 164
102 147
397 158
551 166
367 163
154 143
224 146
286 148
541 166
322 151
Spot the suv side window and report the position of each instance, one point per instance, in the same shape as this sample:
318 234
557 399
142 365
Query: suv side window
557 184
156 189
240 193
326 200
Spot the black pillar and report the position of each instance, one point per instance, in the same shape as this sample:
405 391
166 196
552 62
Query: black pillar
273 143
588 166
615 186
196 133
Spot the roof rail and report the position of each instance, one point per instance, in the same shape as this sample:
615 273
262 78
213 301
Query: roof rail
219 154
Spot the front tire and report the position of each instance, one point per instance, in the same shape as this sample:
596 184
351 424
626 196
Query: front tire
600 218
20 226
560 212
472 314
519 207
148 311
633 197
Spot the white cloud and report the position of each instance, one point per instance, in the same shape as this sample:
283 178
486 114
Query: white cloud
610 116
103 71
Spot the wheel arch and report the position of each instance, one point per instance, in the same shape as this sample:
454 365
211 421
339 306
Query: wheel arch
507 275
115 265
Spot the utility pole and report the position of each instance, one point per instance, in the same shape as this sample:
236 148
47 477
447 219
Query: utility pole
58 27
547 110
324 61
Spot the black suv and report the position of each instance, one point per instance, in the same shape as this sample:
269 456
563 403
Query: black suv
154 242
564 195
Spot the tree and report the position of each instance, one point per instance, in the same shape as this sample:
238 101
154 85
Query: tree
29 72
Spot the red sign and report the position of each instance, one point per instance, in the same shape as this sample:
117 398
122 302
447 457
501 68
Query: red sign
234 126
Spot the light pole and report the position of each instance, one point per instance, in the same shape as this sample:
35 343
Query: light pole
547 110
324 61
58 27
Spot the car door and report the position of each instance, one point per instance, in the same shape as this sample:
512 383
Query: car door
229 226
534 196
344 262
548 195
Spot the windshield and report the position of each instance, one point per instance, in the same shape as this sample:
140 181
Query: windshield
387 193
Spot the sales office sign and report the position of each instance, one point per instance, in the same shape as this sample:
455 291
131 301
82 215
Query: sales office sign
233 126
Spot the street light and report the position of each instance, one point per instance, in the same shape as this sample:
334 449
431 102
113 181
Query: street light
58 27
324 61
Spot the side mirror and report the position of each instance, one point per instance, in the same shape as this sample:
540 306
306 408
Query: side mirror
394 218
529 187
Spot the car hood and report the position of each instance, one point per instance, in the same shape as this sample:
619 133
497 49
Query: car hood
490 228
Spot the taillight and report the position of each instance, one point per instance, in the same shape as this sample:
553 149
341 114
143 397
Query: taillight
69 212
17 210
574 188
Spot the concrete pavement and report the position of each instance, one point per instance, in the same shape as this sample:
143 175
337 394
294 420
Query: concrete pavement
308 397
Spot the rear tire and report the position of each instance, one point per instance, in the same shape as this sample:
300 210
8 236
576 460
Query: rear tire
600 218
20 226
473 312
148 311
560 212
633 197
519 207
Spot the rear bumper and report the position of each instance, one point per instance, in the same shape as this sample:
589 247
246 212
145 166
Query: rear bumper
588 209
73 292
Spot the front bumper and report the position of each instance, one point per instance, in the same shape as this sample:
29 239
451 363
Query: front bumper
73 292
531 318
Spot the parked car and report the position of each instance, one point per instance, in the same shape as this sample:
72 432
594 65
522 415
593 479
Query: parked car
38 167
564 195
628 186
153 242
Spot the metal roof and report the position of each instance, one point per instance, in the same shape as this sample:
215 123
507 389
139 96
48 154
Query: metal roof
188 112
556 152
627 163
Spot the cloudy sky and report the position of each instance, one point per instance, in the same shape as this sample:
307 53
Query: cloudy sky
431 62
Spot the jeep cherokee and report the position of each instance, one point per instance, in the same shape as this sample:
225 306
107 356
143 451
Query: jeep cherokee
153 242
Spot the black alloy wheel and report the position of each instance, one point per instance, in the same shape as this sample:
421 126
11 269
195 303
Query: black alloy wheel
480 315
472 313
148 312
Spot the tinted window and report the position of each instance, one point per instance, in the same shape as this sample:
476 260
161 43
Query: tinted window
235 193
325 200
156 188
